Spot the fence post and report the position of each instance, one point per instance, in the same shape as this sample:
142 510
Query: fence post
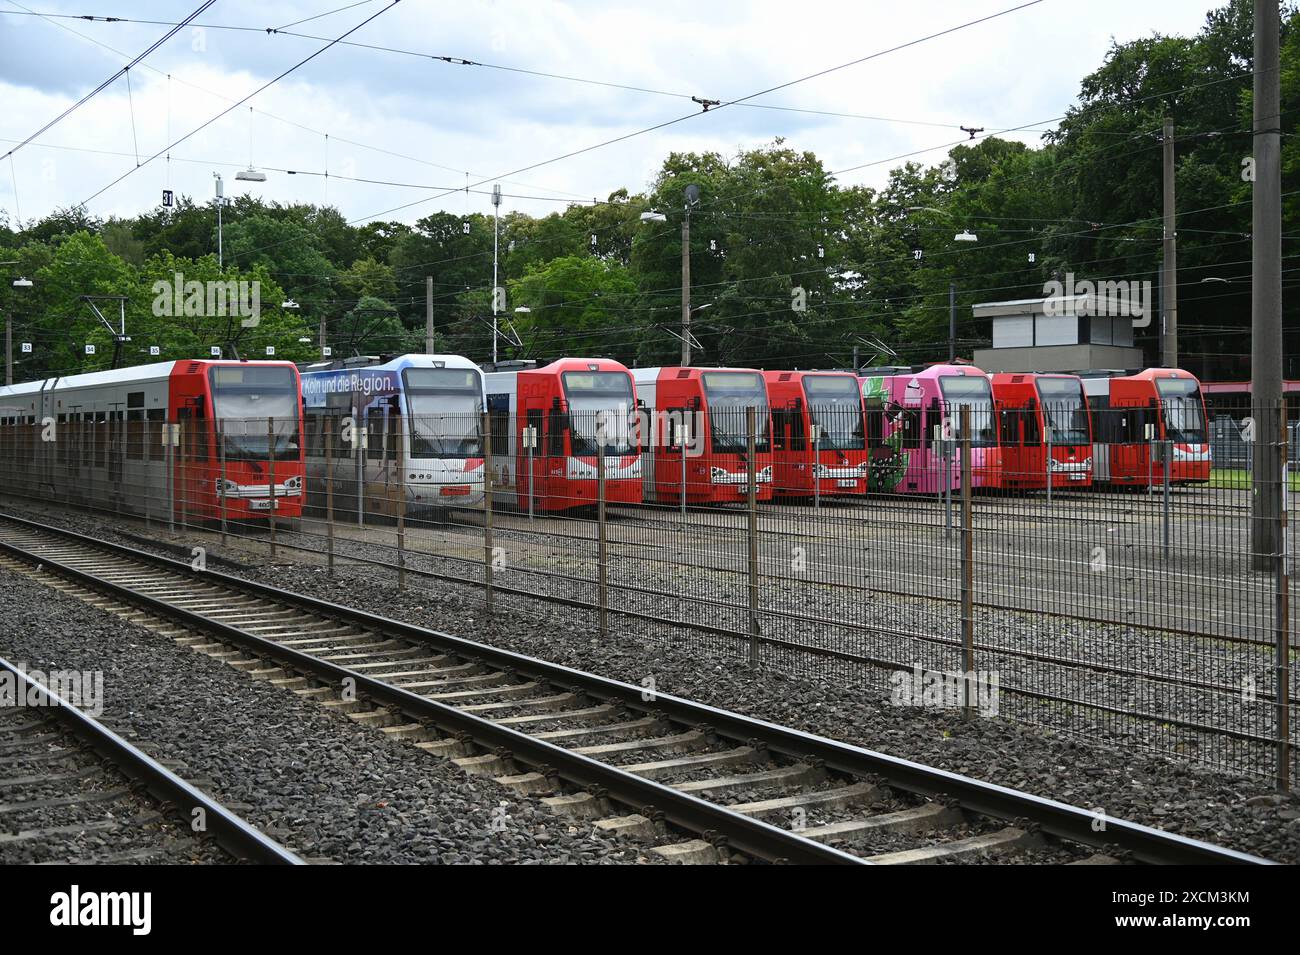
1048 428
329 494
270 456
817 458
602 581
967 570
532 436
169 462
751 499
1166 463
486 427
685 436
221 494
182 451
1282 612
401 508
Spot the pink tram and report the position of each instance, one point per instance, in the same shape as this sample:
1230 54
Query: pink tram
917 411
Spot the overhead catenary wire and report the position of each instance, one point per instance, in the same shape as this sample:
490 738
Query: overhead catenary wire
303 62
124 71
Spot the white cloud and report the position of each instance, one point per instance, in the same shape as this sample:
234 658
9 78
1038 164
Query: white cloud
1017 69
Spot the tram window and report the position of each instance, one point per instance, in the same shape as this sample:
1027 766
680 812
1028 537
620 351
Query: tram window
1010 428
375 436
555 434
1033 433
101 438
778 428
154 432
910 424
875 427
393 427
200 448
499 422
310 434
135 434
61 436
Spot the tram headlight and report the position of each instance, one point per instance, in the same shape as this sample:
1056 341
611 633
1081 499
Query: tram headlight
294 483
225 487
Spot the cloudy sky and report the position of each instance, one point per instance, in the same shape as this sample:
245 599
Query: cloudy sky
421 126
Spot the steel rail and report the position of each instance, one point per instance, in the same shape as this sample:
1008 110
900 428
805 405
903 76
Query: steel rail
744 834
1144 843
232 833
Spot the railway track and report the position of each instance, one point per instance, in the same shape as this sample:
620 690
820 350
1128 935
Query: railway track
71 790
694 782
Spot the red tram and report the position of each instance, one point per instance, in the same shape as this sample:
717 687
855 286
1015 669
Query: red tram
1129 413
154 438
1040 415
704 411
818 433
570 407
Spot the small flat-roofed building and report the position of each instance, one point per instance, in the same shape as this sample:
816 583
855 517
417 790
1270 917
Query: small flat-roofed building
1065 333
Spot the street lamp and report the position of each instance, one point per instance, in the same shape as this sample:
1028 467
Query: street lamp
965 235
653 217
221 192
21 282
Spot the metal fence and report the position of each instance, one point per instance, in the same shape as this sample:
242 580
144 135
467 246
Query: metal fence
1125 589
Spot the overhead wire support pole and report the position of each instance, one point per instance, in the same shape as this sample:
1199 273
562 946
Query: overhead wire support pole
428 316
1266 289
1169 267
686 288
496 292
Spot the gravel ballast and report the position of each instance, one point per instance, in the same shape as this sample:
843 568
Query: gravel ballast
1238 811
324 786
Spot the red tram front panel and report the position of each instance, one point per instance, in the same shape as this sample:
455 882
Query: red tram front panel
240 450
1036 412
1129 413
704 411
572 405
835 464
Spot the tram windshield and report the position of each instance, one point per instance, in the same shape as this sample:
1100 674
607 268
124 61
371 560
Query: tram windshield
974 392
1064 412
835 406
445 406
729 393
253 402
1184 415
600 403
